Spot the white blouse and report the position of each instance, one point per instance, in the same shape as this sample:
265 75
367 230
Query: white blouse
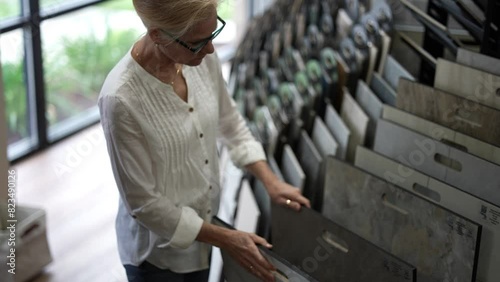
164 158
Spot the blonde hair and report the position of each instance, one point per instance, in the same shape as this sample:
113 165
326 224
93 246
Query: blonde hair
174 16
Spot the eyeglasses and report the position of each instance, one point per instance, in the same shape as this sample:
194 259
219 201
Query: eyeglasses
195 49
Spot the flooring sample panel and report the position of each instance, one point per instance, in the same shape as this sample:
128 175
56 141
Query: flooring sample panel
357 122
264 203
441 133
233 272
338 129
329 252
393 71
469 83
455 112
372 106
291 169
274 167
478 61
310 160
442 245
323 139
383 90
446 163
247 211
447 196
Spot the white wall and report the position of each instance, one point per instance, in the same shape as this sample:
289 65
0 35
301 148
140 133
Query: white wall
4 164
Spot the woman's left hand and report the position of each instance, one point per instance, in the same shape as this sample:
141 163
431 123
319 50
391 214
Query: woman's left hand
285 194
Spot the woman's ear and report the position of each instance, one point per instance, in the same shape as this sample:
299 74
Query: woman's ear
155 35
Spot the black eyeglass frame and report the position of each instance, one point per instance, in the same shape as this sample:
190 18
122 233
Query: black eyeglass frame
200 46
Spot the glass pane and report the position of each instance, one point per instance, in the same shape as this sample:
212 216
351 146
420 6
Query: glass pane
79 50
19 134
9 8
46 5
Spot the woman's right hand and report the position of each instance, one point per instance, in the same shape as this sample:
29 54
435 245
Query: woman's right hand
242 247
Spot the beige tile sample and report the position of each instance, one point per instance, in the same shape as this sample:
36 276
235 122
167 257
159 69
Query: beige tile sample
455 112
357 122
441 133
478 61
338 129
469 83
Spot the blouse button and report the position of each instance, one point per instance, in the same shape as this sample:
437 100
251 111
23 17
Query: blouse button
201 135
191 109
206 161
210 187
209 211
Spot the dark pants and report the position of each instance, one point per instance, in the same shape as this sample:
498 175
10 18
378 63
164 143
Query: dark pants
147 272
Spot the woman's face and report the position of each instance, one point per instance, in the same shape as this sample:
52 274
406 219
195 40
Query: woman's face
199 34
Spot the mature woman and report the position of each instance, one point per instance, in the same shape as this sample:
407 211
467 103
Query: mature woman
162 108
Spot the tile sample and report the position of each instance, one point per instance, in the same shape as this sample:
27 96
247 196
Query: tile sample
446 163
442 245
291 169
264 203
478 61
383 90
441 133
233 271
323 139
357 122
447 196
247 211
469 83
393 71
372 106
329 252
457 113
338 129
310 160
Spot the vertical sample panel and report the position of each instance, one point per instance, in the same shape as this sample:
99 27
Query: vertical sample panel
447 196
372 106
442 245
323 140
441 133
383 90
310 160
478 61
338 129
357 122
449 110
329 252
393 71
285 271
247 211
469 83
291 169
452 166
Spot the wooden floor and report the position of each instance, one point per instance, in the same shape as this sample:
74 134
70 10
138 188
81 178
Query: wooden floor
73 182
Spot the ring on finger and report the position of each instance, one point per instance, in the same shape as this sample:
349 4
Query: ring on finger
288 201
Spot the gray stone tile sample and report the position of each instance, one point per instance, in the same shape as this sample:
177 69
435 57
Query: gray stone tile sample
323 139
478 61
247 211
372 106
447 196
444 134
383 90
446 163
393 71
235 272
310 160
357 122
442 245
329 252
264 203
469 83
338 129
291 169
455 112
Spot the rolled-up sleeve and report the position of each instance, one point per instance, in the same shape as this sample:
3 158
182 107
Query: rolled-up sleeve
134 172
243 147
